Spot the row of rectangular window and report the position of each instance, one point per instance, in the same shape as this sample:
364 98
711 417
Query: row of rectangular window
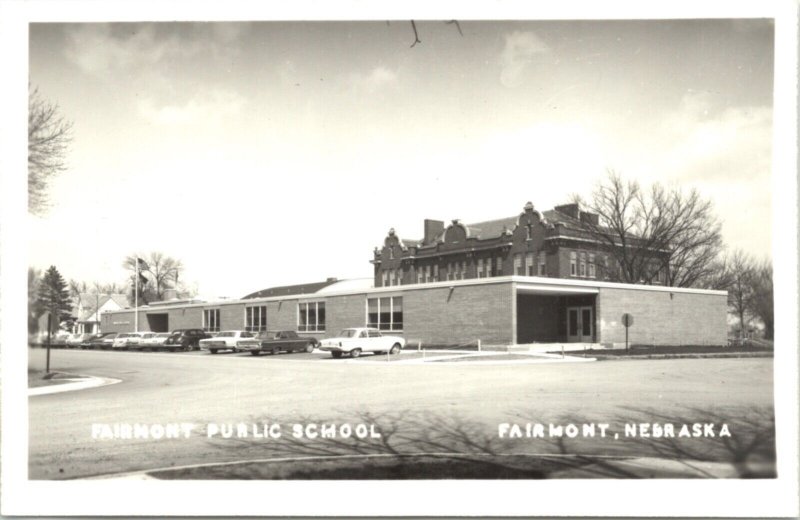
452 271
540 269
382 313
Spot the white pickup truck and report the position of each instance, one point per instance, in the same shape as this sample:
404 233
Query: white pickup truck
357 340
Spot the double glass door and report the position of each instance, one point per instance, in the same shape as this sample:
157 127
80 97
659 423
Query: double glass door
580 324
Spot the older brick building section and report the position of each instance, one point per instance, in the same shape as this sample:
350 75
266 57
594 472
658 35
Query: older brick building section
555 244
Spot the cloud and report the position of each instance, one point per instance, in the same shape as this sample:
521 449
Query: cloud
517 55
201 108
101 48
701 142
378 78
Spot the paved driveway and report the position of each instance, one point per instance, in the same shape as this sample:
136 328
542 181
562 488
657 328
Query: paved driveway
454 406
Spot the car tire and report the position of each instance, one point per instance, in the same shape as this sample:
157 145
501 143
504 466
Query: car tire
213 350
395 349
337 355
275 351
310 348
355 352
254 352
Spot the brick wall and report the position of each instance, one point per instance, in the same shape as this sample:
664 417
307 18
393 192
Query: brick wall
661 317
436 316
345 311
282 315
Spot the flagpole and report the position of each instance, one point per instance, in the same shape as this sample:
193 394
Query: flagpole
136 297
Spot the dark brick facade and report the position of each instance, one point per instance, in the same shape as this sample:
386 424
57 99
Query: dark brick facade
556 240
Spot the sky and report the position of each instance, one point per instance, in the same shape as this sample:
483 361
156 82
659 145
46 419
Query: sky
273 153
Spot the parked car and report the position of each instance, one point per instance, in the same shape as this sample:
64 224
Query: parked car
124 340
76 340
274 342
103 340
357 340
57 339
141 342
225 340
154 340
185 339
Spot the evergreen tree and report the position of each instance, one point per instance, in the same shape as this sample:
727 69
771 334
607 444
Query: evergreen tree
54 296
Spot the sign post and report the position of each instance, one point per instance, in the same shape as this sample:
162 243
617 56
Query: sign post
49 329
627 320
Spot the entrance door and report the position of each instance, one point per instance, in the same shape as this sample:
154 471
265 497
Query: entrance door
580 325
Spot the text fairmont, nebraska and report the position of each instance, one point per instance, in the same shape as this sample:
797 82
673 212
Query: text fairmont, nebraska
158 431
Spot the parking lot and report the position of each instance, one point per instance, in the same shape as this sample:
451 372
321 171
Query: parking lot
418 403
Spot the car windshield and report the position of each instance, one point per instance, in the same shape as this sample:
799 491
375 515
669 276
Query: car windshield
348 333
265 335
163 335
226 335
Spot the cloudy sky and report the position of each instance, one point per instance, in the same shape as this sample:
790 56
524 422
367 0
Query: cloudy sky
273 153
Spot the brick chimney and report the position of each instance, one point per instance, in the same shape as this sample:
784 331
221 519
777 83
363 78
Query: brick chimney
569 209
433 228
591 218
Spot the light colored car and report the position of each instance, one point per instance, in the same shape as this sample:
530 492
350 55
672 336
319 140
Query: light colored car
144 338
126 340
155 340
225 340
357 340
76 340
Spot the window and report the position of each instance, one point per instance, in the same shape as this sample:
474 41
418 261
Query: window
449 271
480 268
391 253
384 279
427 273
605 268
399 277
582 270
211 320
542 263
436 273
255 318
499 271
518 265
391 278
311 317
529 264
592 269
385 313
573 263
419 275
463 269
488 267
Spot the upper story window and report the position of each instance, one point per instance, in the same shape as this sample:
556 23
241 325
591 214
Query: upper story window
528 232
592 267
391 253
255 318
529 265
479 268
399 277
542 263
384 279
391 278
582 266
499 271
427 273
518 264
211 320
573 263
435 272
311 317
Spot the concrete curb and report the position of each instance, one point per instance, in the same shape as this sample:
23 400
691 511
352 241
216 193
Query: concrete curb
78 384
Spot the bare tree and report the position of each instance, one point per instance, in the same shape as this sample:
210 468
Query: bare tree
164 274
49 136
740 289
762 303
649 232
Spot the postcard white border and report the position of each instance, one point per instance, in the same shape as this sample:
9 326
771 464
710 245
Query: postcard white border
734 498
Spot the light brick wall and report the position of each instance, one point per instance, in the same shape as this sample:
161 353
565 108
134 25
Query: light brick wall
345 311
661 319
436 316
282 315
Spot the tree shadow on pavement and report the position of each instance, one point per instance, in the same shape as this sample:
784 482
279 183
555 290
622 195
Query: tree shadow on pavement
427 445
